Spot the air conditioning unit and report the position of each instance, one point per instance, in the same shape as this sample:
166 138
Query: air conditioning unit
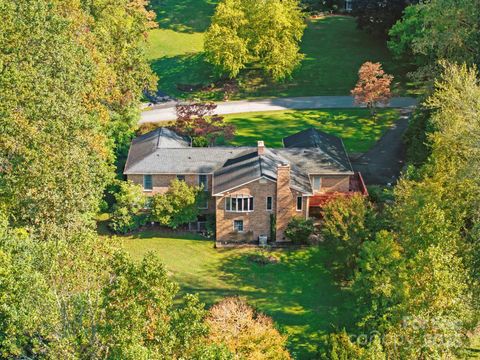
262 240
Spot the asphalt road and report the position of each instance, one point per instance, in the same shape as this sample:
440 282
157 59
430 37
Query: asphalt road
166 112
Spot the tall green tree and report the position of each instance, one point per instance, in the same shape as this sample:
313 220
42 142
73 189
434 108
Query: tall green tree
71 75
421 278
255 34
435 30
52 150
85 299
378 16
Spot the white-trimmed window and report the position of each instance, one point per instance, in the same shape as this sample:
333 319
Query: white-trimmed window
299 203
147 183
269 203
239 203
317 183
203 181
348 5
238 225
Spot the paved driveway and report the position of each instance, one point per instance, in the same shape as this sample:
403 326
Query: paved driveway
382 164
166 112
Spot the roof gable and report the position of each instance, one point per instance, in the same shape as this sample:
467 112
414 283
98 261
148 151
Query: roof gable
326 152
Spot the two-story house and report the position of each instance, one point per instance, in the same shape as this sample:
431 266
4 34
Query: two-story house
248 187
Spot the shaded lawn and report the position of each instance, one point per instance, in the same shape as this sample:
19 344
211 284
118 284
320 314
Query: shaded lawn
298 292
333 46
356 127
334 51
187 16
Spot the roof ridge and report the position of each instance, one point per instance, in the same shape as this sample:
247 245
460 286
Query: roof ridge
159 136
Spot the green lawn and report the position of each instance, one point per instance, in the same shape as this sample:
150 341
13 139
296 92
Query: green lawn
356 127
334 49
298 292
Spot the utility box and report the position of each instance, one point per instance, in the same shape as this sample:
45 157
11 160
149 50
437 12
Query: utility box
262 240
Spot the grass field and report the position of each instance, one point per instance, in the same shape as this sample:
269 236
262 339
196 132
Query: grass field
334 49
298 292
356 127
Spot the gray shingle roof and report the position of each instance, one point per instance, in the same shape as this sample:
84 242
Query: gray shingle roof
249 166
181 161
318 151
162 151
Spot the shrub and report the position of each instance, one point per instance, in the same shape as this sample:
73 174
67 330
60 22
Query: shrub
299 229
123 221
273 227
247 334
127 214
210 226
178 206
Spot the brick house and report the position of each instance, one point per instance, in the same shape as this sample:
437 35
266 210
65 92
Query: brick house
248 187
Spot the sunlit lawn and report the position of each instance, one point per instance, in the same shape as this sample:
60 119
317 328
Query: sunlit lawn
358 129
333 46
298 292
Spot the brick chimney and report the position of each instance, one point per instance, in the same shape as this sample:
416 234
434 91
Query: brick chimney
260 147
284 200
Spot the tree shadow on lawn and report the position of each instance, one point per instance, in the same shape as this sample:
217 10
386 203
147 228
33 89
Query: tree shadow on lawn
182 70
357 128
298 293
183 15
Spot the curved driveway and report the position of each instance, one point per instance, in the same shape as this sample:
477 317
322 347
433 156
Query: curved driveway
166 112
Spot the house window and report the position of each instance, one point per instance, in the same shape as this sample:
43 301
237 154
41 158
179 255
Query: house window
181 177
238 225
269 203
203 181
299 203
202 201
239 203
317 183
147 182
348 5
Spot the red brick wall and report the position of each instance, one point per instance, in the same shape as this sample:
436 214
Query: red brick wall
330 183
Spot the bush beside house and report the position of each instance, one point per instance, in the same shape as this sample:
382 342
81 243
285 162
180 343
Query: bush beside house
128 210
299 230
178 206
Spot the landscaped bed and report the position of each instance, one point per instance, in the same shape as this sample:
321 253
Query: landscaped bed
296 289
358 129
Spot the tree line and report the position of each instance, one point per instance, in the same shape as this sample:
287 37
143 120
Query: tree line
72 75
412 259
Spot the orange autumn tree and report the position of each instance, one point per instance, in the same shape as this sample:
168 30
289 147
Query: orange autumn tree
373 86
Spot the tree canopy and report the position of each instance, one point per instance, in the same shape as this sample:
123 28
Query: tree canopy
377 17
255 34
439 29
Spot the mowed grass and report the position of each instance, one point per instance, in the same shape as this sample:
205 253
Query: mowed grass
298 292
333 46
358 129
334 50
